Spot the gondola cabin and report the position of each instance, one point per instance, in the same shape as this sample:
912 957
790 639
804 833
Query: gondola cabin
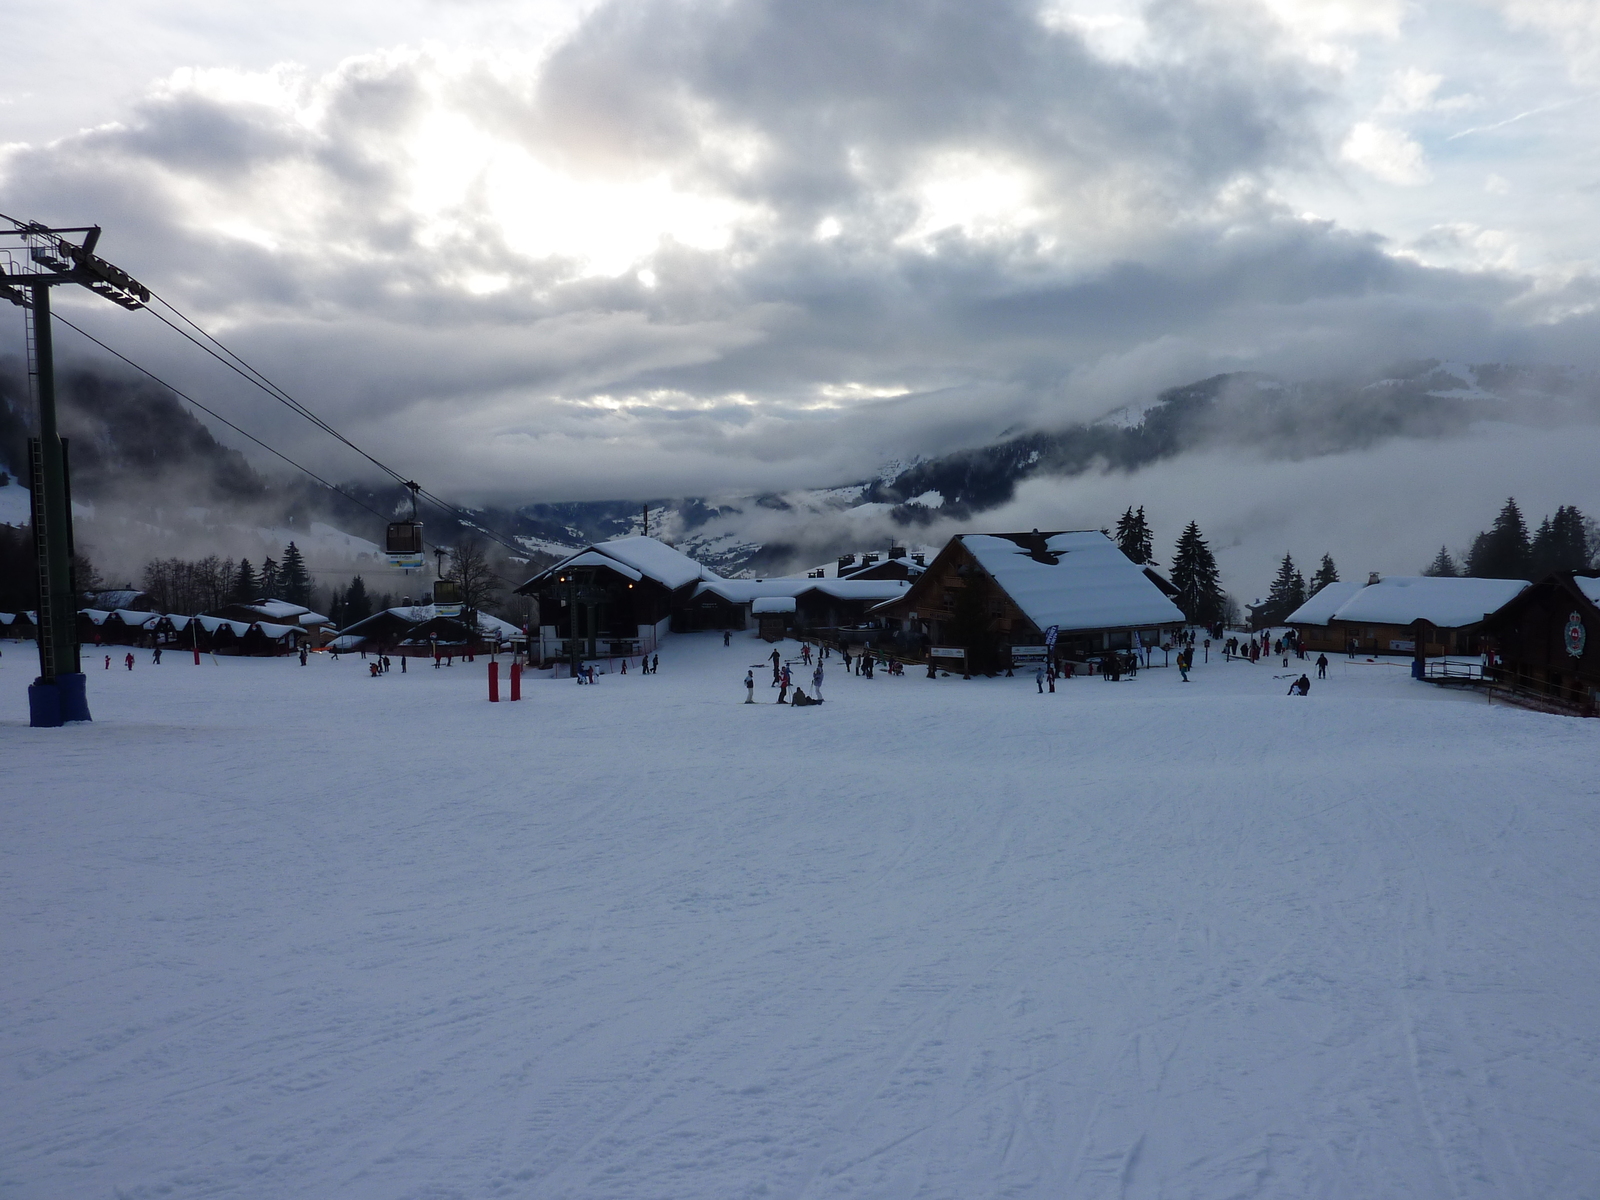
403 545
447 597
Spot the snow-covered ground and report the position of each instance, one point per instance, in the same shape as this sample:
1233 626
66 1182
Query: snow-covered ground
279 931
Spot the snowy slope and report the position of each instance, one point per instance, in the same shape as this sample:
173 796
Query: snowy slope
283 931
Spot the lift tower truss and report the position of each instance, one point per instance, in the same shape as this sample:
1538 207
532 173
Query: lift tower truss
47 258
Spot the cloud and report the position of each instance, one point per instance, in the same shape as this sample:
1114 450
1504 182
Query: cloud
1386 154
704 247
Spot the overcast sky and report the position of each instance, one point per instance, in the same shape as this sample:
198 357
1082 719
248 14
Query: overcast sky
565 251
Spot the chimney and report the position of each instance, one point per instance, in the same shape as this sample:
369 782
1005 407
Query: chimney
917 558
1372 578
897 551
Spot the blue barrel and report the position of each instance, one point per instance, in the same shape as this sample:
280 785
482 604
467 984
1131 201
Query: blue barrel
44 705
74 700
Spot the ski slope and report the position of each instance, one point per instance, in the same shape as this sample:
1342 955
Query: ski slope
276 931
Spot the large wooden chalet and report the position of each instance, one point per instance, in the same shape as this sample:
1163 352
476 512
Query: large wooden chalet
617 598
989 594
1548 642
1385 616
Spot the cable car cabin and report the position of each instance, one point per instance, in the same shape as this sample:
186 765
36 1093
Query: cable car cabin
447 597
403 544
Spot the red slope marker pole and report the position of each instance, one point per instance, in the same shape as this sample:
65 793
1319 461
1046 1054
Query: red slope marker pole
494 683
516 681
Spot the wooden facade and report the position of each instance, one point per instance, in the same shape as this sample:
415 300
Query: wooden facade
1536 634
956 602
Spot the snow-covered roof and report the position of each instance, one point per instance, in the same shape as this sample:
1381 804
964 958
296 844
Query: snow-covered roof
416 614
593 558
277 610
1589 586
772 604
311 618
212 624
488 624
1443 601
746 591
179 621
276 631
7 618
97 616
1091 585
137 620
1320 608
656 559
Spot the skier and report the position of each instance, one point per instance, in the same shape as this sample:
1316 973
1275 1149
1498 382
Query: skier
727 638
130 660
1050 678
1300 687
816 680
1183 664
1322 666
108 662
1038 678
402 665
750 687
777 665
783 686
155 656
303 657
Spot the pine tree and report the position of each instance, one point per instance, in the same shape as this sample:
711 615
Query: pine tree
246 587
1442 566
1561 544
1502 551
269 577
1327 573
357 604
1194 574
1133 537
1287 594
293 579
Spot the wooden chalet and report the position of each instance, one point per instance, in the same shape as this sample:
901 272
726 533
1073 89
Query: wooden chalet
994 594
809 607
416 631
616 598
1547 640
1386 616
317 628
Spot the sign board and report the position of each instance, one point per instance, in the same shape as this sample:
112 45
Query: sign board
1403 647
1575 635
947 651
1029 653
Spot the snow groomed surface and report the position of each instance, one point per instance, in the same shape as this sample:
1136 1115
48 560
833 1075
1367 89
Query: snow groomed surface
276 930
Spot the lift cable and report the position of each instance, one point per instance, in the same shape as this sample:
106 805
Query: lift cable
239 366
188 399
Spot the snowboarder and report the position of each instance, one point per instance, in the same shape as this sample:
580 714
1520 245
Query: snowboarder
750 687
1322 666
